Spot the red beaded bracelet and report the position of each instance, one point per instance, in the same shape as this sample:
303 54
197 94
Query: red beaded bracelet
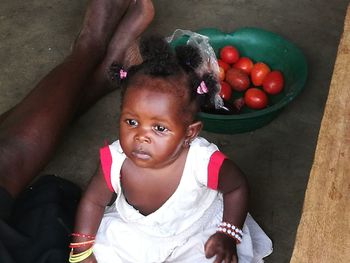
82 235
81 244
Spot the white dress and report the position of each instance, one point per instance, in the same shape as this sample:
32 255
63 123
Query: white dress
178 230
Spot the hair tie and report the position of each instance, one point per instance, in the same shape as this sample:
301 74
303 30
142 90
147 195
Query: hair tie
202 88
122 74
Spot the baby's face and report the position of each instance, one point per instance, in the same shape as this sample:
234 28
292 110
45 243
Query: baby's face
152 132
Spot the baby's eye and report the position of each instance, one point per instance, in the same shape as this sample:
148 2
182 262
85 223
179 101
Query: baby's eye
160 128
131 122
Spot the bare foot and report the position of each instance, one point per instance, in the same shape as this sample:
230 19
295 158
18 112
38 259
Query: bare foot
132 55
123 46
100 21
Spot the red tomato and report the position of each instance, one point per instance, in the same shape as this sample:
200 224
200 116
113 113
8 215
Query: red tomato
255 98
273 82
225 90
245 64
238 80
258 73
221 73
223 64
229 54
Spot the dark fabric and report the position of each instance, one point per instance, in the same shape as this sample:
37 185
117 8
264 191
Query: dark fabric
6 203
39 226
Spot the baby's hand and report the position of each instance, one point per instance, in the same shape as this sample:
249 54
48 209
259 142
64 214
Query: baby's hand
223 246
90 259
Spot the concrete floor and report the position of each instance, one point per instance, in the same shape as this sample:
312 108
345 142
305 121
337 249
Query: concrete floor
36 35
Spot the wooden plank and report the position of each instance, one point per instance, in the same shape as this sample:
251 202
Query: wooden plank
323 234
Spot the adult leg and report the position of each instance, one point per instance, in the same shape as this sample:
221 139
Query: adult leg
30 131
122 48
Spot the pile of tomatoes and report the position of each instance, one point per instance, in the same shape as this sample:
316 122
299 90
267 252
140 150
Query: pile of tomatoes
254 82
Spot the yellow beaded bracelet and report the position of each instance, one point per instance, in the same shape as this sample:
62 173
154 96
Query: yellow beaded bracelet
74 258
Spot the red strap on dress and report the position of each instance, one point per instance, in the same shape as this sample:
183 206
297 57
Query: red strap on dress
106 164
214 165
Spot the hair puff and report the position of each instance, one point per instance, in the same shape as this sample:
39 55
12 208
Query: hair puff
207 101
189 57
114 73
158 56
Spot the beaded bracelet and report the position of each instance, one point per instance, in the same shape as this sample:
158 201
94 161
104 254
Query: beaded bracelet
231 230
81 244
75 258
83 235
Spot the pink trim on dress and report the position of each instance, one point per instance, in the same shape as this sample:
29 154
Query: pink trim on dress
214 165
106 164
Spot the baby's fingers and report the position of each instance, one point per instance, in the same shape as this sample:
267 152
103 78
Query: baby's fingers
227 259
210 248
233 259
224 258
222 248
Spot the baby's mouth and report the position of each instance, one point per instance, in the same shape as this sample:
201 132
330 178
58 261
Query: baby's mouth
140 154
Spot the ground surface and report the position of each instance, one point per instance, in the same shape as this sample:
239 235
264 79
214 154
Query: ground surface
36 35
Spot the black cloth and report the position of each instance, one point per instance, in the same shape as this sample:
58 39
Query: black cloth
36 227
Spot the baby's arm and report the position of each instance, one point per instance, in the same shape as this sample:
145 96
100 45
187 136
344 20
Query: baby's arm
90 212
233 185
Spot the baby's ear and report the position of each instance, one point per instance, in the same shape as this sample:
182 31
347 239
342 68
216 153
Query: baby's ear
193 130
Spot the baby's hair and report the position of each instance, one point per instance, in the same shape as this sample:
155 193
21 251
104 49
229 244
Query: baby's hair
179 66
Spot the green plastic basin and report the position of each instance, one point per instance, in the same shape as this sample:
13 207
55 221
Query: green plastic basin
259 45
